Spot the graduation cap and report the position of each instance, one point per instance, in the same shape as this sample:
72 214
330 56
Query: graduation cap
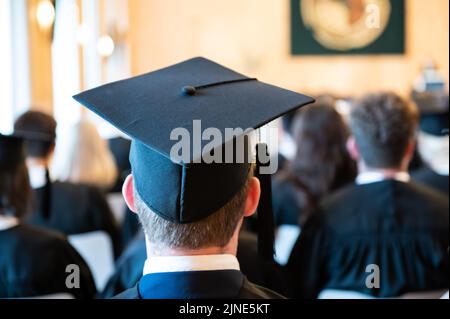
434 112
150 107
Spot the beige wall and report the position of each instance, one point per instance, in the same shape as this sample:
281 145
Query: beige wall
253 37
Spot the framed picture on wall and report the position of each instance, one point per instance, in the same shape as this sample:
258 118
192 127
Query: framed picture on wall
328 27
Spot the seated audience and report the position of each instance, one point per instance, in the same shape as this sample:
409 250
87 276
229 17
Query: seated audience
321 164
33 261
386 235
62 206
433 140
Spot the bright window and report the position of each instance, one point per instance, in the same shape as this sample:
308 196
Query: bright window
6 79
14 66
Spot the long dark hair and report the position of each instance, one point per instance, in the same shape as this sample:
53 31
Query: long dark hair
322 163
15 191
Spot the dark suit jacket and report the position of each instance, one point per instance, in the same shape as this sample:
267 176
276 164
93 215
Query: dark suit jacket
229 284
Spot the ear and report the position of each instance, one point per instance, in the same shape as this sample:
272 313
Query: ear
128 193
410 149
352 148
253 194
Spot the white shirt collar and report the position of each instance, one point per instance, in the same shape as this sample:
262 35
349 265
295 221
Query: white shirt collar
190 263
374 177
7 222
37 176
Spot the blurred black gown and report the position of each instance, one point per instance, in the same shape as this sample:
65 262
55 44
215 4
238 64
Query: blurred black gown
75 209
292 202
432 179
33 263
403 228
287 209
130 266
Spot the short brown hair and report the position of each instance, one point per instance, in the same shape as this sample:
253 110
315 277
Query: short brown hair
215 230
383 125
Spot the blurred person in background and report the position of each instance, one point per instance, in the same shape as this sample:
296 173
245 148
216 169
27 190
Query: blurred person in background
85 158
321 163
397 228
33 261
71 208
433 140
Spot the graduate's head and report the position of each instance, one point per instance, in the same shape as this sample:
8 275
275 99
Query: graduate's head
383 126
39 131
214 231
190 191
15 191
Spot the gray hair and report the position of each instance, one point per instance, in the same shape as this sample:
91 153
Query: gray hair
383 125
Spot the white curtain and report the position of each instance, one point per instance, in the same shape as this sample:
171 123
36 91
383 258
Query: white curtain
66 65
6 89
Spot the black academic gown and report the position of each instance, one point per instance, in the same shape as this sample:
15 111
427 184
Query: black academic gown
403 228
217 284
75 209
291 202
33 263
130 265
432 179
286 207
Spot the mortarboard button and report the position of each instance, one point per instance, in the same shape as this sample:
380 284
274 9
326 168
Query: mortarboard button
188 90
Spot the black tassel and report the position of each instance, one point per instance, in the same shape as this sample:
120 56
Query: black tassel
265 223
47 198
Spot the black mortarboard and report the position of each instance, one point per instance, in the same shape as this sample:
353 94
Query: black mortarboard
11 152
149 107
434 112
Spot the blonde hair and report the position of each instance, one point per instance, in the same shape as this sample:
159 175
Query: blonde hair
84 157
